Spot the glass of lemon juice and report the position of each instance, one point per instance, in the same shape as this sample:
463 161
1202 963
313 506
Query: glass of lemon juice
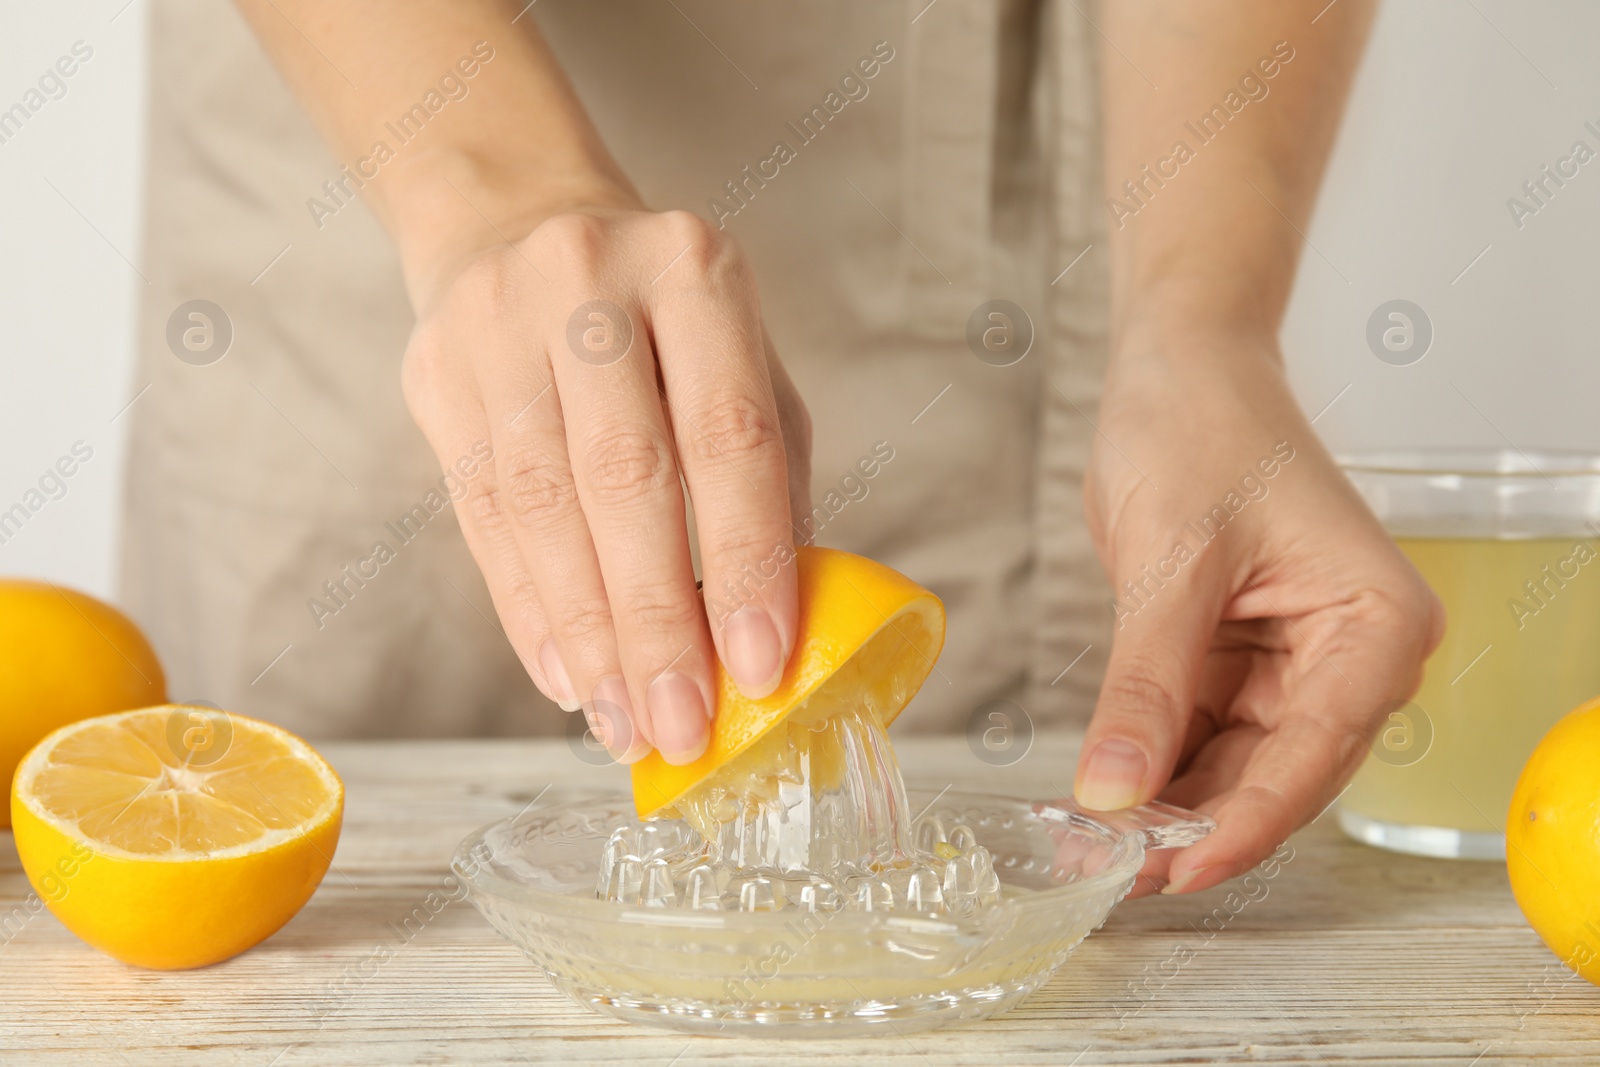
1510 542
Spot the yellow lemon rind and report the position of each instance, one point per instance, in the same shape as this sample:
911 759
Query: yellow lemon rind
172 911
833 575
1557 801
68 656
144 911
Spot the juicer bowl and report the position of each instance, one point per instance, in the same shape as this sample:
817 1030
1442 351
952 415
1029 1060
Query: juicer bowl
796 973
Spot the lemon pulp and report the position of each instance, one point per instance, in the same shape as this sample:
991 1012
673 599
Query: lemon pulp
123 784
811 746
798 799
175 836
813 815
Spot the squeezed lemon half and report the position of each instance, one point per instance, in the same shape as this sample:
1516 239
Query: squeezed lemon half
868 638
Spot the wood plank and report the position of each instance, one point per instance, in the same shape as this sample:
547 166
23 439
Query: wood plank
1348 956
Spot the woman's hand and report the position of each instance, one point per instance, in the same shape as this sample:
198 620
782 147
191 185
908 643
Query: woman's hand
608 355
610 358
1265 621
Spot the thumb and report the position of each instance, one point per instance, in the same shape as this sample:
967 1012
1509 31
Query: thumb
1164 627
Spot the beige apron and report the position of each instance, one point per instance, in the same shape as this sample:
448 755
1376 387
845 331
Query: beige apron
964 170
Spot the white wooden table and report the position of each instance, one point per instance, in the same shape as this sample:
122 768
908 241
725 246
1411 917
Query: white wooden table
1348 955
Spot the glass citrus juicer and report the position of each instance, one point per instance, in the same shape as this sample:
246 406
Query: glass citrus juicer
786 882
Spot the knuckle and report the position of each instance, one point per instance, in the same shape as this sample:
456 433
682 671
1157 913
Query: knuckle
734 427
1405 604
586 621
728 546
484 508
1425 607
687 228
706 250
418 380
658 611
1137 687
1407 612
523 594
575 241
628 463
491 287
537 486
1434 620
423 373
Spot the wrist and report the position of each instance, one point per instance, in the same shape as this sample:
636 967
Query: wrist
449 205
1174 338
1176 359
1193 309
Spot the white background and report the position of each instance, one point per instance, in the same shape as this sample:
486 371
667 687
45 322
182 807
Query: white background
66 293
1457 105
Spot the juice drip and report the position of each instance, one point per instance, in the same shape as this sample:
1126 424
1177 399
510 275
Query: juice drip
813 816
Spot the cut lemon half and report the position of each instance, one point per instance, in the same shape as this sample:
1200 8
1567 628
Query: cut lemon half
868 638
175 836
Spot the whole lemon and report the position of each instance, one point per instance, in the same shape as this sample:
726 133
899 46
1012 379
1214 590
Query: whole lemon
65 656
1553 840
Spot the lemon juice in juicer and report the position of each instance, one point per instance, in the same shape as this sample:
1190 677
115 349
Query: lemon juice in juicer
787 880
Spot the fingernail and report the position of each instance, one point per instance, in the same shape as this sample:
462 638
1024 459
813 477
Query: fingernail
602 731
610 715
1112 779
678 713
1182 883
755 654
555 672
